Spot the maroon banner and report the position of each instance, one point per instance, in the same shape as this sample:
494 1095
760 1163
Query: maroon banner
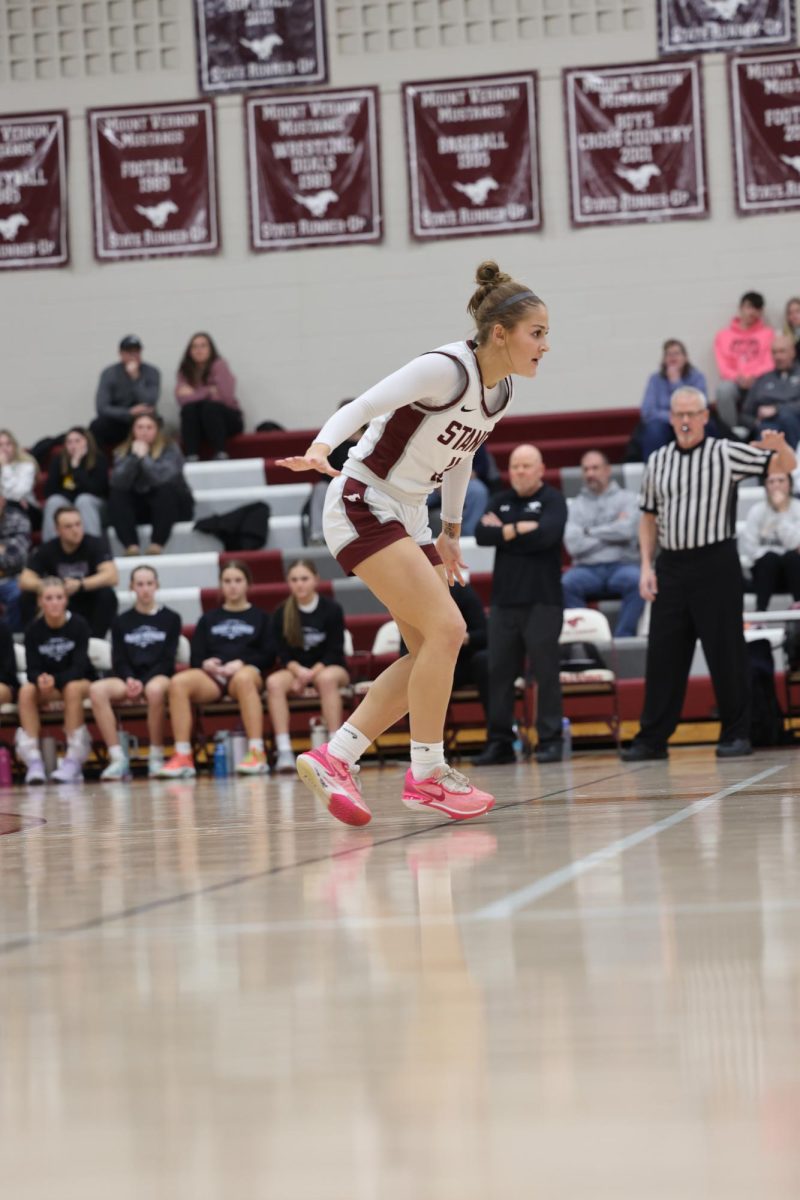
314 169
33 191
473 156
243 44
765 118
635 143
154 180
686 26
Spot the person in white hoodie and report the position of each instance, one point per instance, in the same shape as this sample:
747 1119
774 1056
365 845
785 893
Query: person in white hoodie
601 539
770 542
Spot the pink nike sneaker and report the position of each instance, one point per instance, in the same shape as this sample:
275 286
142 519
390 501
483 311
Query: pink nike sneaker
335 784
447 791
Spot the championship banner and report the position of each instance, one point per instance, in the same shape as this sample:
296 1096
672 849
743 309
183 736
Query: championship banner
154 180
244 44
687 26
473 156
635 143
765 104
314 169
33 191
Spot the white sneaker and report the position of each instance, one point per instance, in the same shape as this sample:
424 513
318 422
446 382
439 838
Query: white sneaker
70 771
285 764
117 769
35 772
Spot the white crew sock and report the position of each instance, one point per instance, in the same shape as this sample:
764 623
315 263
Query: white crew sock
157 752
283 742
348 744
27 747
78 744
256 745
425 758
183 748
115 754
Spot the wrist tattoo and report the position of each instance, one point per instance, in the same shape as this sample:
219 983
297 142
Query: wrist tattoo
451 529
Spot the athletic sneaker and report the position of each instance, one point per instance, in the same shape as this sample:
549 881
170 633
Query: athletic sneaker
253 763
335 784
285 763
180 766
35 772
118 768
447 791
154 767
70 771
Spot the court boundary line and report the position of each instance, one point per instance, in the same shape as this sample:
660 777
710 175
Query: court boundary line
135 910
506 907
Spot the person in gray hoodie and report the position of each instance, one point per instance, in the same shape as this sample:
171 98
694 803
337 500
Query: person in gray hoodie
770 541
601 539
148 487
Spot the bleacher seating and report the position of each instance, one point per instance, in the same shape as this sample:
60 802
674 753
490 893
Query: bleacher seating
189 571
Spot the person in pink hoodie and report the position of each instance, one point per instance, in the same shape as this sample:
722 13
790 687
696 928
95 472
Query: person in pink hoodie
743 351
206 395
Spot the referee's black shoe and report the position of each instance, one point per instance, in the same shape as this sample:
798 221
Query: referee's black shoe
738 748
641 752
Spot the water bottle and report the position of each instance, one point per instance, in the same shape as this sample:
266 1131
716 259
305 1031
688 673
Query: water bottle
566 738
319 733
221 756
6 777
517 742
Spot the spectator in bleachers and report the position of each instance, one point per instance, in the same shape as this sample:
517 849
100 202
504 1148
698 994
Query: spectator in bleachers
601 538
144 642
206 395
743 350
127 389
525 525
791 322
773 401
148 487
231 649
9 683
85 565
15 544
309 634
58 668
675 371
78 477
770 542
18 476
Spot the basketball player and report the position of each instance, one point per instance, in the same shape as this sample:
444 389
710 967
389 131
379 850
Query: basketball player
424 424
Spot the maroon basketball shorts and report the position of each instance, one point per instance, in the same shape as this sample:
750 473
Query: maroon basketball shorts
359 520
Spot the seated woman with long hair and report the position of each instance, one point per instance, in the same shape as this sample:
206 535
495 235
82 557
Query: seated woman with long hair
58 668
770 541
231 648
144 642
309 633
78 478
206 394
148 487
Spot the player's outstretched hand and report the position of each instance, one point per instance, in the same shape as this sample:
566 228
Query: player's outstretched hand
450 553
314 459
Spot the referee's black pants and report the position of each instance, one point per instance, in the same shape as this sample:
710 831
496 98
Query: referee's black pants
700 595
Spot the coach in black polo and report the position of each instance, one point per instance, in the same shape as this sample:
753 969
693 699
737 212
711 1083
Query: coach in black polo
688 504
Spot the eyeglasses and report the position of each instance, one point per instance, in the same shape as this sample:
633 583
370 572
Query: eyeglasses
684 416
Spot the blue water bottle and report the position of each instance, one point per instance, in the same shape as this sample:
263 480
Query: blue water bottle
566 738
221 757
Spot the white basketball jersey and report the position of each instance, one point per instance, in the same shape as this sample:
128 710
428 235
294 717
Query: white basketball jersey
407 452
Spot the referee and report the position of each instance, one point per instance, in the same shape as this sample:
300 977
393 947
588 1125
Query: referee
688 504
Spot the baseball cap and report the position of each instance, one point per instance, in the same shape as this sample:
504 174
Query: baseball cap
130 342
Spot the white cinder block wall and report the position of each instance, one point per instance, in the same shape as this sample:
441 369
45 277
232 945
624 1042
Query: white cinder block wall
304 328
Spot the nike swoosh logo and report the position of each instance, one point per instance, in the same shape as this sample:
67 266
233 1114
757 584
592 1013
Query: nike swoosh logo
469 410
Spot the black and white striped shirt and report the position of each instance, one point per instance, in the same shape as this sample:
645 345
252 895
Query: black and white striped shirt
693 492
